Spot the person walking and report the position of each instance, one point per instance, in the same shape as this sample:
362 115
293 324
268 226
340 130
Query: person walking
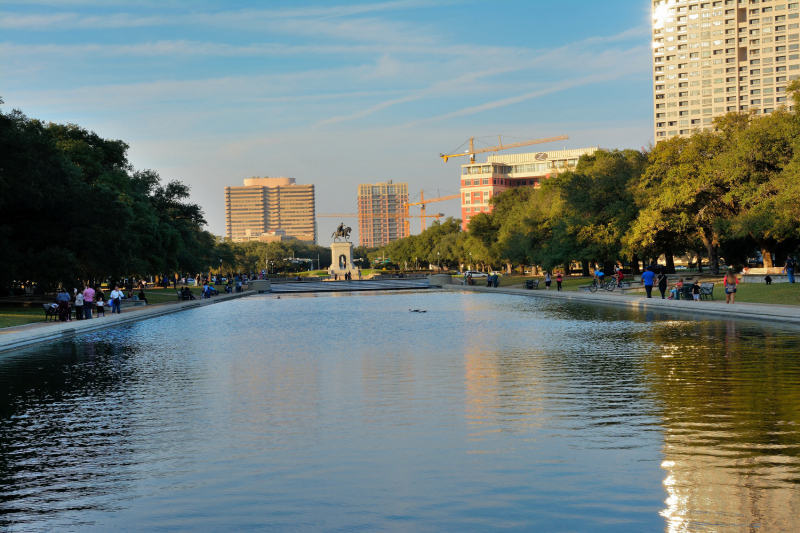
662 283
62 299
78 304
547 279
789 268
647 279
730 282
116 300
88 302
558 281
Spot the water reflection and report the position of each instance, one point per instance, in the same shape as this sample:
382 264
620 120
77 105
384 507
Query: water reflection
730 403
487 412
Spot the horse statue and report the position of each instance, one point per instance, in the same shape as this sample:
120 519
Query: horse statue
342 231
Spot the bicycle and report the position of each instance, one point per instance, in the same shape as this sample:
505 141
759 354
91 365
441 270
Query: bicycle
609 285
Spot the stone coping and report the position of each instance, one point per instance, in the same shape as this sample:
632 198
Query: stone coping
774 313
17 337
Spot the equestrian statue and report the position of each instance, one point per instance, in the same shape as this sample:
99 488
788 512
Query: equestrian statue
342 231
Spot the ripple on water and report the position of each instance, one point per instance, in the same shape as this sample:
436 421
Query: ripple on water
346 412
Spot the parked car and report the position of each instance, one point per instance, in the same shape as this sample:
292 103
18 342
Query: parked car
189 280
475 274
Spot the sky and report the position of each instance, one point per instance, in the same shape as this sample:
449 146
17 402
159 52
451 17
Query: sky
329 93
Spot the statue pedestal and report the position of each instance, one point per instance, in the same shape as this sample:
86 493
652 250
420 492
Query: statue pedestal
342 260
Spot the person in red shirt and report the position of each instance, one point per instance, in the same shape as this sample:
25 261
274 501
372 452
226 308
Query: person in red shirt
619 276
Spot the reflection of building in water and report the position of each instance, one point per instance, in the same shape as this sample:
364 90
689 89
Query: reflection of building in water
713 488
503 393
731 446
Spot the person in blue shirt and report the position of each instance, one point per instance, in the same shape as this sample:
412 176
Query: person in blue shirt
599 275
647 278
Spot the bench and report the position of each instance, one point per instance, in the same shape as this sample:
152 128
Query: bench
706 290
50 312
532 284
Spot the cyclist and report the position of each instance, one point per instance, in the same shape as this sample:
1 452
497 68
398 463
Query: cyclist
618 276
599 276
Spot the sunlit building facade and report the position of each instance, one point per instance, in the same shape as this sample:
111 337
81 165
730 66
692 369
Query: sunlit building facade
265 205
717 56
480 182
380 207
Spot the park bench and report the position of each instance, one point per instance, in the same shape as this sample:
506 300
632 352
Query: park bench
706 290
532 284
50 312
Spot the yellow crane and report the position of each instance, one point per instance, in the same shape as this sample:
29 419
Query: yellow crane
472 151
421 204
404 216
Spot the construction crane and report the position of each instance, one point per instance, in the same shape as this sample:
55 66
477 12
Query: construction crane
421 204
403 216
472 151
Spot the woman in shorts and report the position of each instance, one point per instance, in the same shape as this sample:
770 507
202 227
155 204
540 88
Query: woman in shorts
730 282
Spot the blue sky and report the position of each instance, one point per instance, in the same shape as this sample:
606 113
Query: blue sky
330 93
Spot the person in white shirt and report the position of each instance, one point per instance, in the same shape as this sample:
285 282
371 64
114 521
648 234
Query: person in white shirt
115 299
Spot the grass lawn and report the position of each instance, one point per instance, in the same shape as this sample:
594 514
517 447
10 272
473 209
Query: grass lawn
17 316
511 280
761 293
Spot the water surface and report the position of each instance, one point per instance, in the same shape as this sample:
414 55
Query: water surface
349 413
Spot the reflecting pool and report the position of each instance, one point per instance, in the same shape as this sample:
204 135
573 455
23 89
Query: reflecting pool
349 413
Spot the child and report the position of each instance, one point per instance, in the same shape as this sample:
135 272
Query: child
100 306
768 280
696 291
673 294
558 281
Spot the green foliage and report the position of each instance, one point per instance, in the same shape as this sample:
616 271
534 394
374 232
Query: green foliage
72 208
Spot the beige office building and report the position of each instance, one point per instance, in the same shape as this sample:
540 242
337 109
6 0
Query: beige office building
712 57
266 205
380 210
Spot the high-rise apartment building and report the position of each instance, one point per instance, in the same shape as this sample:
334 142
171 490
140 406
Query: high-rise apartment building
267 204
712 57
482 181
376 205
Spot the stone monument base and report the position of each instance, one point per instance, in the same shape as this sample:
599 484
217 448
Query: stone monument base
342 260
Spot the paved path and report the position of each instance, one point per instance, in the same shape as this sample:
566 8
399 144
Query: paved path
17 337
785 314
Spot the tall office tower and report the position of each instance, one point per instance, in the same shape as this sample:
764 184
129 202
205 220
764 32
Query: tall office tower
267 204
375 203
712 57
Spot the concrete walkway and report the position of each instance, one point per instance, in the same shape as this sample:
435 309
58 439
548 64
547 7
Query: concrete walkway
784 314
17 337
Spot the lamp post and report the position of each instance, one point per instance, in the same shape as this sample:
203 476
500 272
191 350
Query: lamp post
438 268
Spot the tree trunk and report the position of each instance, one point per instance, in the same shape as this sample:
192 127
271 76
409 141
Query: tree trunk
609 267
535 270
635 265
670 261
712 246
508 268
766 256
584 267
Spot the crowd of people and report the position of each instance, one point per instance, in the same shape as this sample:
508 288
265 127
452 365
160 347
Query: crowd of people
90 302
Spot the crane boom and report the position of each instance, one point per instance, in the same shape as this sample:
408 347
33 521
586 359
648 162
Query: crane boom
472 151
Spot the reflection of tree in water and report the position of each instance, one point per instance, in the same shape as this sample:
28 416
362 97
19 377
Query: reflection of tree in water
51 450
730 398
